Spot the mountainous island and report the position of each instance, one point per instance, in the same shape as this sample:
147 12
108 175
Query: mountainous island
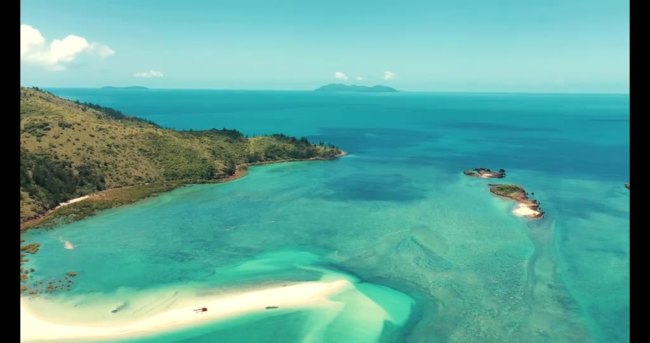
339 87
72 149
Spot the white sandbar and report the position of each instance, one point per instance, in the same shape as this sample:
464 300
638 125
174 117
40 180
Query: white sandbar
296 296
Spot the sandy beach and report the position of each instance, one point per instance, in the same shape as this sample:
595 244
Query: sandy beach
523 210
180 315
72 201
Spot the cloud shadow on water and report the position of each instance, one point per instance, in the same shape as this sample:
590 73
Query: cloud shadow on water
356 140
371 187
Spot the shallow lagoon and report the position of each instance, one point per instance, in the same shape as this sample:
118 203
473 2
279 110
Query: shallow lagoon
421 240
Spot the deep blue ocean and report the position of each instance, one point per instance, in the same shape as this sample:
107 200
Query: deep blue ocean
430 247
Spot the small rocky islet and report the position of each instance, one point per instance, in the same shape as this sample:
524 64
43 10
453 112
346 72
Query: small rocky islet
485 173
527 207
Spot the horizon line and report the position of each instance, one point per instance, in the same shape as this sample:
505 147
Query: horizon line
313 89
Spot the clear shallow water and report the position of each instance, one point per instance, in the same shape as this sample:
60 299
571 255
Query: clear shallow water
396 215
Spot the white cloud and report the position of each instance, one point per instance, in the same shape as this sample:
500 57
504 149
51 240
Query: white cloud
389 75
30 39
359 78
100 50
341 76
149 74
59 53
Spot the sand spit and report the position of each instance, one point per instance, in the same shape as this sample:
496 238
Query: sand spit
184 314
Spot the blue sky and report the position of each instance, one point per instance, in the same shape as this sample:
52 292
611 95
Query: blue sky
430 45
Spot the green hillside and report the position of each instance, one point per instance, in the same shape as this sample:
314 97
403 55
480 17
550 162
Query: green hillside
70 149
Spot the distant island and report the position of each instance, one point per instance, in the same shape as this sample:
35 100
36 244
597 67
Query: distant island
127 87
78 158
339 87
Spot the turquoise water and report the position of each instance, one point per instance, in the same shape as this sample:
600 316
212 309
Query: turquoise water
423 243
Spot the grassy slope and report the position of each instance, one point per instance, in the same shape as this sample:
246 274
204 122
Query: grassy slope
70 149
508 190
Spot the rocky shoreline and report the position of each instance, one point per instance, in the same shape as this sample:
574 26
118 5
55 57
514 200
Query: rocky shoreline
115 197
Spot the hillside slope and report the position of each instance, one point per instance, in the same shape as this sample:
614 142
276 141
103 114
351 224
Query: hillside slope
70 149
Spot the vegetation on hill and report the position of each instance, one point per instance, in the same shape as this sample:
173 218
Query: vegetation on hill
508 190
70 149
